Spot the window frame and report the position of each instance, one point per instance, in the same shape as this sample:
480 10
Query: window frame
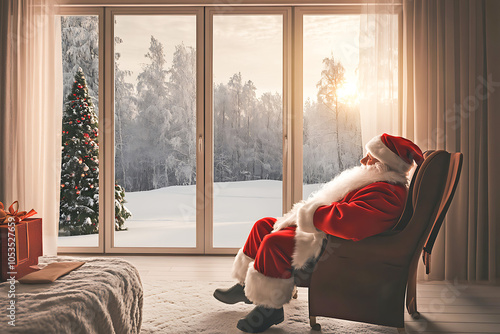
110 133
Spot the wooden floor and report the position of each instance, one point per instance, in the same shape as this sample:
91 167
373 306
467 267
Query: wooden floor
446 307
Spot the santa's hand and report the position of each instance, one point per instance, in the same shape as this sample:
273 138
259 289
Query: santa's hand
290 219
282 222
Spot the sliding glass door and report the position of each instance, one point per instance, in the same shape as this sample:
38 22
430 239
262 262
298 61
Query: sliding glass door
158 129
347 89
81 212
155 130
247 130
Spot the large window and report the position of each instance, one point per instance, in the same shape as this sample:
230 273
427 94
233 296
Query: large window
80 182
155 129
332 128
248 117
208 119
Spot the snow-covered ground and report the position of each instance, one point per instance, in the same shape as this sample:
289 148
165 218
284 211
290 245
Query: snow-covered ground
166 217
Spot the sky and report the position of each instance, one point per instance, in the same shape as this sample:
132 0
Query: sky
250 44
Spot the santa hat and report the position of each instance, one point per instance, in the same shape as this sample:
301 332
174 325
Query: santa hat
396 152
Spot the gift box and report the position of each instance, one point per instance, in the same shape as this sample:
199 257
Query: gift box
25 237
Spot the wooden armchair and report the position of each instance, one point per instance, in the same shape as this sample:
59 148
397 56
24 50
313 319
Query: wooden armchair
366 280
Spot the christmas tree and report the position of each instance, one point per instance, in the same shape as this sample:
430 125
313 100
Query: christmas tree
121 212
79 207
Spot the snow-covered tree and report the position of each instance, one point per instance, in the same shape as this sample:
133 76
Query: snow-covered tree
125 113
121 212
248 135
182 99
332 78
80 49
151 146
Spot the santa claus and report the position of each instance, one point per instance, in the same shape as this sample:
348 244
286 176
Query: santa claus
359 203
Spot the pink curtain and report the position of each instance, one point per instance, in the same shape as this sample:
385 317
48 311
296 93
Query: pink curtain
452 101
31 111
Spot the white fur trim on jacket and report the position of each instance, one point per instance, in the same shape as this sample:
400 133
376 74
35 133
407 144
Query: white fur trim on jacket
288 219
240 266
308 239
379 150
268 291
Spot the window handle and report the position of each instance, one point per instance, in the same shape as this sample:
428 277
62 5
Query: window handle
286 146
200 144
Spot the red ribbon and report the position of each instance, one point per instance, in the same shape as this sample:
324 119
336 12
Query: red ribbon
6 216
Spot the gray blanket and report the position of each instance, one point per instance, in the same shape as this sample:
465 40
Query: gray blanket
103 296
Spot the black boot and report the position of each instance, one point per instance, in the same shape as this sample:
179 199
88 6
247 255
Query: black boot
260 319
233 295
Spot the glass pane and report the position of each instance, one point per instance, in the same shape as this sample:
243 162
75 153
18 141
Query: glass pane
155 131
350 90
332 130
79 203
248 158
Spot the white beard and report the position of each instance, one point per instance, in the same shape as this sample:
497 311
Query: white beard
308 240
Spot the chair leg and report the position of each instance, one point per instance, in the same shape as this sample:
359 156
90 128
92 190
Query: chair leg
401 331
411 296
314 325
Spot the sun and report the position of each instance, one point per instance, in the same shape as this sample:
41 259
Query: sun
348 92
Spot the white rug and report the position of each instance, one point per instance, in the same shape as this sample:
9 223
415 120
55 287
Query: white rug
188 307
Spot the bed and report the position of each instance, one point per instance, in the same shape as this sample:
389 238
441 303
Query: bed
105 295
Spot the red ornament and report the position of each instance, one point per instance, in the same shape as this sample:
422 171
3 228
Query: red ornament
79 86
76 187
74 94
78 192
62 185
91 186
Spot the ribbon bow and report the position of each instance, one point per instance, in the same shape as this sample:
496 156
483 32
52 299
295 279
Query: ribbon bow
14 215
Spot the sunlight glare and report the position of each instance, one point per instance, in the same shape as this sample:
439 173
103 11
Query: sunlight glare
348 93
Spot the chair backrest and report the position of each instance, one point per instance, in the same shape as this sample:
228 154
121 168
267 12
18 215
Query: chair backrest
441 171
408 210
456 160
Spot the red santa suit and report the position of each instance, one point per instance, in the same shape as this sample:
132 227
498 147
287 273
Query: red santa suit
360 202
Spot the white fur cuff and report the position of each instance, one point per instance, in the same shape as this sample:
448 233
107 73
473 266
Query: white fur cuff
307 246
305 216
240 266
268 291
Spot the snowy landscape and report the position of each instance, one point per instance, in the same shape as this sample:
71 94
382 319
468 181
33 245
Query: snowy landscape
166 217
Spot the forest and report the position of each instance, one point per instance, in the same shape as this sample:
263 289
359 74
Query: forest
155 118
